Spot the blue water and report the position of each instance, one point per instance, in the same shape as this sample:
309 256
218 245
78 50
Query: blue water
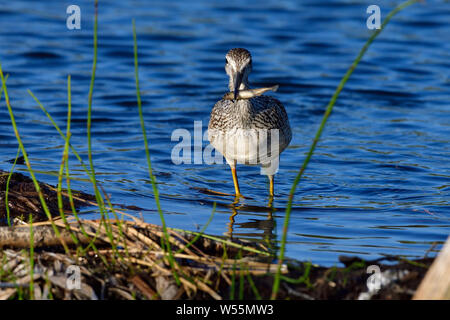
379 182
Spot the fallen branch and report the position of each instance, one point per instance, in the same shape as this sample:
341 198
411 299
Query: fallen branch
44 236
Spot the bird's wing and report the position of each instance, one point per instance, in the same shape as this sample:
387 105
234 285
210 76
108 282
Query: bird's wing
271 114
220 115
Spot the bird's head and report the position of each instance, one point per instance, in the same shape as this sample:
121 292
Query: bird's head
238 66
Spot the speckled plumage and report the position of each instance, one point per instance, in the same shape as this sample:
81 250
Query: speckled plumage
233 121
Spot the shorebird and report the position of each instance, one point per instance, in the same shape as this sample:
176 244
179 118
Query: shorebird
252 130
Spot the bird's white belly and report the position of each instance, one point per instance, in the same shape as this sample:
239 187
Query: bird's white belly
246 146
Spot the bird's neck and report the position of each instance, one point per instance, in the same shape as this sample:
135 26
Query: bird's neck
244 85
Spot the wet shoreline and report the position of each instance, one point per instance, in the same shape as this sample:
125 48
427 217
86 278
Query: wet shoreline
104 278
23 199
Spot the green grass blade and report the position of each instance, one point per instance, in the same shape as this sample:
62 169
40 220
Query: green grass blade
7 187
233 281
27 161
318 134
226 242
241 277
201 232
253 286
63 161
31 258
166 245
91 91
10 172
101 204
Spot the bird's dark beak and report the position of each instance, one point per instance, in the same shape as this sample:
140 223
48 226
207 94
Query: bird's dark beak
237 84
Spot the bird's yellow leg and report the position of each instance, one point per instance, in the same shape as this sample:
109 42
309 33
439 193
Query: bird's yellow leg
236 183
270 205
271 193
271 186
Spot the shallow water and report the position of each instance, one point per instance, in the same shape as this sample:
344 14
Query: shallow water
379 182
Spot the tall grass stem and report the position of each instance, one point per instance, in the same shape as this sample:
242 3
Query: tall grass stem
328 110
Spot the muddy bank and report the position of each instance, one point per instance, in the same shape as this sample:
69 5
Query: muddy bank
398 279
138 278
109 259
132 264
23 199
